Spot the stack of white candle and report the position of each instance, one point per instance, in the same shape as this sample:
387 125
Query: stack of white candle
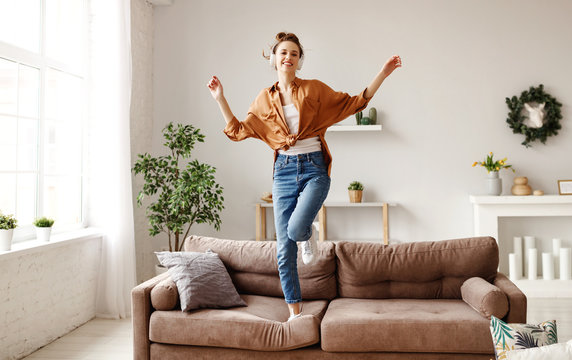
559 258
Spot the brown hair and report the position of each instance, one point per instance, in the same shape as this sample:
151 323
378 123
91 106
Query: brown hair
281 37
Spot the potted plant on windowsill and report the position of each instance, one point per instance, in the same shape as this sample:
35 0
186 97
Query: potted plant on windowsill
355 191
7 225
184 191
43 228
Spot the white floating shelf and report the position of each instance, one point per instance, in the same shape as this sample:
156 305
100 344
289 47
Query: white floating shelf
354 128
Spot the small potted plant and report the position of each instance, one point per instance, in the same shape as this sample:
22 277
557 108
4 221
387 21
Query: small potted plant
43 228
493 181
7 225
355 191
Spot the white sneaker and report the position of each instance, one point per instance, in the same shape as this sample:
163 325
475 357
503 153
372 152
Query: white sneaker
292 316
310 247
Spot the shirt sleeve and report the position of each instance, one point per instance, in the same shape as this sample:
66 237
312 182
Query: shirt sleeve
240 130
337 106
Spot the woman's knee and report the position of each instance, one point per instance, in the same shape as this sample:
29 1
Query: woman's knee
299 233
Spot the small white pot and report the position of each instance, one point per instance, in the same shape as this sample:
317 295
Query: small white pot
6 239
43 233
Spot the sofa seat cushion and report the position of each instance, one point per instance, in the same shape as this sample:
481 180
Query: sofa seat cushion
261 325
404 325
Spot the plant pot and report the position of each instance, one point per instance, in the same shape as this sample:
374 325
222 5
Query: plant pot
6 239
355 195
494 183
43 233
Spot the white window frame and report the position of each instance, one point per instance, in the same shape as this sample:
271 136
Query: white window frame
42 62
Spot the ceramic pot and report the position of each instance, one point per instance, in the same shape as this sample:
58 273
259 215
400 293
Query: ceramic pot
355 195
43 233
6 239
494 183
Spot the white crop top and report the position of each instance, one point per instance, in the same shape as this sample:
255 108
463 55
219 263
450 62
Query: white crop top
302 146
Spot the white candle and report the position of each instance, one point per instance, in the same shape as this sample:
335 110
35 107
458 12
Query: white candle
556 245
529 243
547 266
512 267
517 242
532 264
565 263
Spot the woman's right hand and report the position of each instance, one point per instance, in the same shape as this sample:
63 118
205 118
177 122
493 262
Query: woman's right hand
215 88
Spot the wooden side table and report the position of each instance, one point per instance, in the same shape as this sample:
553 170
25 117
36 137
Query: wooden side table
322 217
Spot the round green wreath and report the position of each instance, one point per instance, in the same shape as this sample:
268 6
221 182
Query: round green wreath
551 122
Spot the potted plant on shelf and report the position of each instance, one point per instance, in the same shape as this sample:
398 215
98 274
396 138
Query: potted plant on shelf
7 225
355 191
184 191
43 228
494 183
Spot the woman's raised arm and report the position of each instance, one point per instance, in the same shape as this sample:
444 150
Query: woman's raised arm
215 88
393 63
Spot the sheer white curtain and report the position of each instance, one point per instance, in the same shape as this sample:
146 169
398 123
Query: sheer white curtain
110 206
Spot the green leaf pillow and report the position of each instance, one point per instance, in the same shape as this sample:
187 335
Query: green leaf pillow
507 337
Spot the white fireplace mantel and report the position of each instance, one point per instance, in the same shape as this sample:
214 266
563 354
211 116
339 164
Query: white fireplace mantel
488 209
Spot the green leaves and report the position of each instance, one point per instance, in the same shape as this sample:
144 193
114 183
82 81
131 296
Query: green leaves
7 222
501 331
185 190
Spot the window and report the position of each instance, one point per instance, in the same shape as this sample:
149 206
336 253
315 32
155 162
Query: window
42 111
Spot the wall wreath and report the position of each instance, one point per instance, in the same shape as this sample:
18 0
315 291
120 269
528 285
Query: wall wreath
535 114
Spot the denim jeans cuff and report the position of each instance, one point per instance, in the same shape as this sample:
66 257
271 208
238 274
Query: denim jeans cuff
292 301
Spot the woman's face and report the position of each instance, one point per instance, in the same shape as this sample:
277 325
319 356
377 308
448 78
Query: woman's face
287 56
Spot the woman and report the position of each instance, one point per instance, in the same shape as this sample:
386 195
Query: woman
292 117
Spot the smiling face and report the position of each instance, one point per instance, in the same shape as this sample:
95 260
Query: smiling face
287 56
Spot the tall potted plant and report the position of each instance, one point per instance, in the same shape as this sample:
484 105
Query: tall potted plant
184 190
7 225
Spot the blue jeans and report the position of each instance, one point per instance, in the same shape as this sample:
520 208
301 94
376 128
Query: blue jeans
301 184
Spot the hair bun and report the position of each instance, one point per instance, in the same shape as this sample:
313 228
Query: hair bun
280 36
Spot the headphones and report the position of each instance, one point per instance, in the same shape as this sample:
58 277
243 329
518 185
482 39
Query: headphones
272 62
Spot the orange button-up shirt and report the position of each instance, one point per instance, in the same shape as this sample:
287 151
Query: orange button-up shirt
319 107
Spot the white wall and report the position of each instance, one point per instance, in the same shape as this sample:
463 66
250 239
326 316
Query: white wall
441 112
141 123
46 293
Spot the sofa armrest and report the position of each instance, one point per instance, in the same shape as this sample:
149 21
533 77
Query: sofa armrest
141 313
516 299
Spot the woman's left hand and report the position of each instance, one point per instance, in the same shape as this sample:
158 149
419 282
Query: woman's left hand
393 63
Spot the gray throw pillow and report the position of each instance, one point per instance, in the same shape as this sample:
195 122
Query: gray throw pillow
202 280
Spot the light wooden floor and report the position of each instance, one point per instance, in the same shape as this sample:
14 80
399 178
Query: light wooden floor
102 339
98 339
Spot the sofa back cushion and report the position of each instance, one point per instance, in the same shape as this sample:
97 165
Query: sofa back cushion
253 267
419 270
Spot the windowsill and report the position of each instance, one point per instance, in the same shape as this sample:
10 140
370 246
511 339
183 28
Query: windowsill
56 240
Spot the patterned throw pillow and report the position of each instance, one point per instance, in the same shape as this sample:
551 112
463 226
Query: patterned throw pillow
507 337
202 280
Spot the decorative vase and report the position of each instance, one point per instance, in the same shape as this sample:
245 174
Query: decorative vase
43 233
355 195
6 239
494 183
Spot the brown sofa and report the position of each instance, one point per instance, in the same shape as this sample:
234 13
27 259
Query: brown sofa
361 301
